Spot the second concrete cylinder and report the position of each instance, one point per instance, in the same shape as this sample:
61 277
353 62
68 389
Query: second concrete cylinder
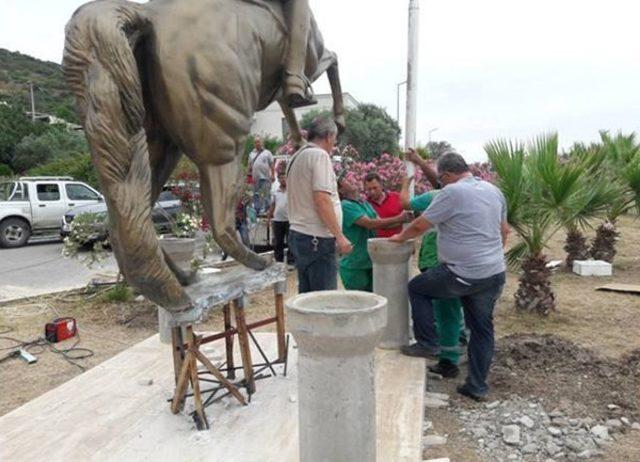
336 333
390 279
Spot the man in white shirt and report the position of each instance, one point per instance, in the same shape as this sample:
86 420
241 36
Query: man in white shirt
315 213
261 166
279 219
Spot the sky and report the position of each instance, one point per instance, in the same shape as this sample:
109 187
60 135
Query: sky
487 69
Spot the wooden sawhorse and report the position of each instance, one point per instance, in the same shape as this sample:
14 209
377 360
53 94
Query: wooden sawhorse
187 355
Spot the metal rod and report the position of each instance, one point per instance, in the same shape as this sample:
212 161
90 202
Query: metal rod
266 360
234 331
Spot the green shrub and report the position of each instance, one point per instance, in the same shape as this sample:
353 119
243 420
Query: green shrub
5 170
85 233
119 293
56 144
78 166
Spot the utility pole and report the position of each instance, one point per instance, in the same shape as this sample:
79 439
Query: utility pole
33 103
412 83
398 85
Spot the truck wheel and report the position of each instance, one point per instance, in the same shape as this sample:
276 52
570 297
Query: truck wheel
14 232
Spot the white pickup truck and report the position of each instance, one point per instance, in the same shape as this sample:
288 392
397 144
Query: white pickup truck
35 205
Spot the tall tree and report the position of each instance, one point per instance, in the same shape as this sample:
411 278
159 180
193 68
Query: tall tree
54 144
369 129
14 126
436 148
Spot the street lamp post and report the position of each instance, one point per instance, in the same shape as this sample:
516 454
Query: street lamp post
430 132
398 85
33 103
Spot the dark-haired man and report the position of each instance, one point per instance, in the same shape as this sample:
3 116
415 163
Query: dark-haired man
471 216
386 203
359 223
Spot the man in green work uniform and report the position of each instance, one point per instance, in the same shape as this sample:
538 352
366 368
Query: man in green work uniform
447 313
359 223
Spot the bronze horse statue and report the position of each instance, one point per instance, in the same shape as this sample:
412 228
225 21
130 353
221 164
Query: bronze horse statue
170 77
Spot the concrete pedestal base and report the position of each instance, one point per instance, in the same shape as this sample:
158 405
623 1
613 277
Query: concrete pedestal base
390 279
336 333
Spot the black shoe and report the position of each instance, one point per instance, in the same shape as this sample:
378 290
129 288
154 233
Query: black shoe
464 391
445 368
418 351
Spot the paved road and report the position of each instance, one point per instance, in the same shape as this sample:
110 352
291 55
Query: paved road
39 268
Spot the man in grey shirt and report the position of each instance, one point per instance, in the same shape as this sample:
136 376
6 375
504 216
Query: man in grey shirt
261 166
471 216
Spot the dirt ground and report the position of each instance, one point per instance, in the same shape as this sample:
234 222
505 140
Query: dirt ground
582 357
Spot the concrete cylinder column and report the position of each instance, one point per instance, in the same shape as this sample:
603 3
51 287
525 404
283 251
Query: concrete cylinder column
336 333
390 279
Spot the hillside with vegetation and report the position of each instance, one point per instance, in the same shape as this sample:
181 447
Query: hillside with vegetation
36 147
50 90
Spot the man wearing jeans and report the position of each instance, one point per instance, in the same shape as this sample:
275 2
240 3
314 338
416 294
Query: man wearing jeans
261 166
471 216
315 214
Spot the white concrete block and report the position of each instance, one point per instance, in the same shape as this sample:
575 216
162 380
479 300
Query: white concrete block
592 268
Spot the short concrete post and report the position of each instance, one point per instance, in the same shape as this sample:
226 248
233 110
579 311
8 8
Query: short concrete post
166 322
336 333
390 279
164 325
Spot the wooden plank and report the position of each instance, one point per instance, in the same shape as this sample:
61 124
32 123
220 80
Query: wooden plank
245 349
106 415
181 388
178 351
195 380
399 420
228 342
624 288
280 326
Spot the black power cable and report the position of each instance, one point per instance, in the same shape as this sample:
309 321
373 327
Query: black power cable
71 354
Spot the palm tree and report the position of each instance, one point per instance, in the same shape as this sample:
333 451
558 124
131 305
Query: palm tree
621 168
598 194
542 194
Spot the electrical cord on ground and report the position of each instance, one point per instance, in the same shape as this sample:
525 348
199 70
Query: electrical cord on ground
71 354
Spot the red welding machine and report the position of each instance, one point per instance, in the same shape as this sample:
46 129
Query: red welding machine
60 329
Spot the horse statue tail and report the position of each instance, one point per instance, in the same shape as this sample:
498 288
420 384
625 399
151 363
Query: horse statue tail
101 69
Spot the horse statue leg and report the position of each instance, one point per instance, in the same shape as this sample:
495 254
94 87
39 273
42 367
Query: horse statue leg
331 65
336 92
221 187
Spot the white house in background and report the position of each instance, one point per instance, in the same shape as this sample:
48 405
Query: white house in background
271 121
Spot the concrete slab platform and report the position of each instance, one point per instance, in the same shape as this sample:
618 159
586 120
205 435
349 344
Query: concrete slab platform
111 413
